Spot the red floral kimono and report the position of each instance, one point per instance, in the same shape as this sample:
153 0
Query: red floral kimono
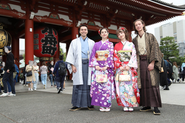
127 92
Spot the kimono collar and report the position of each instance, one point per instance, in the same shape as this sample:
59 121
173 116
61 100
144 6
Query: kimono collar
104 41
124 42
143 36
83 39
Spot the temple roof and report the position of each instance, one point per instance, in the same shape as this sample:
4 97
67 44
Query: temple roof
168 4
151 11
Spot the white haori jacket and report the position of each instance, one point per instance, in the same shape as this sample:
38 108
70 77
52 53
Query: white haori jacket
74 57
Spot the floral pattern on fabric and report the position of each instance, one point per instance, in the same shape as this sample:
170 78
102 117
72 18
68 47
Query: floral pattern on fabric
102 93
127 93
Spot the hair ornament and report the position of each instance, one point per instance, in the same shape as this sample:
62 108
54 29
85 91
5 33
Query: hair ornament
122 28
99 31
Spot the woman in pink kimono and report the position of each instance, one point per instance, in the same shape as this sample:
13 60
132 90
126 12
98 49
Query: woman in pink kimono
125 65
101 60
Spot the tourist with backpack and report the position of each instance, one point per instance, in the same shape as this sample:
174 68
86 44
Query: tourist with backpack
60 73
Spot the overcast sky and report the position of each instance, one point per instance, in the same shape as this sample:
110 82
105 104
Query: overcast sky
149 28
175 2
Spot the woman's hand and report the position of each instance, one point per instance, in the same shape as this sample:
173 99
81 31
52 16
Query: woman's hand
122 68
127 68
104 68
97 68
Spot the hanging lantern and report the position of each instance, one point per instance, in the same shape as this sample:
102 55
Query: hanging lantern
45 42
5 38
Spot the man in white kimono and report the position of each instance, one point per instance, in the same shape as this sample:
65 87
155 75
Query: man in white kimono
78 63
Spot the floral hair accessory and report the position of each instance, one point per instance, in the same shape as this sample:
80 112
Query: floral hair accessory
99 31
122 28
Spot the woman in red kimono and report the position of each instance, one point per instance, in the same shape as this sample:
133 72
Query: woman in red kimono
125 65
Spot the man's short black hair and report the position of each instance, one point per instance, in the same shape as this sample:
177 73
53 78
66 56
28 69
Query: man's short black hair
61 57
82 26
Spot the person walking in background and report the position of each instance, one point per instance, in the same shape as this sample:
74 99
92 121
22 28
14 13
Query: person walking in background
43 71
175 72
51 76
9 69
183 71
170 70
35 70
24 75
1 76
78 63
163 75
15 74
30 76
60 73
125 64
148 56
102 91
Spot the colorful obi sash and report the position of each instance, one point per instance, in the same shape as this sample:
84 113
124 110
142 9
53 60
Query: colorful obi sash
124 55
102 55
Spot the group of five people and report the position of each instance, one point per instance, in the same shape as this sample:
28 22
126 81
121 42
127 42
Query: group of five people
128 72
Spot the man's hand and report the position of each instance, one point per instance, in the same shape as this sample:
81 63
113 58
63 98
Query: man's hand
74 69
151 66
8 71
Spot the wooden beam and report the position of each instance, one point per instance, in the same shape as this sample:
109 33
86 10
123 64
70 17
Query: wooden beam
21 33
46 19
12 13
66 38
19 24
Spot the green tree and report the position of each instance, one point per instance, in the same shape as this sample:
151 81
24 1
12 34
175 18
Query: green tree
170 50
62 53
23 57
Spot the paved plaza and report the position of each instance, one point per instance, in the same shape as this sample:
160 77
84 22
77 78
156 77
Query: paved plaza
46 106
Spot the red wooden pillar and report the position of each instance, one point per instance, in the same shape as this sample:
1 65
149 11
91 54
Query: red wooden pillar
74 35
130 31
74 32
15 49
29 51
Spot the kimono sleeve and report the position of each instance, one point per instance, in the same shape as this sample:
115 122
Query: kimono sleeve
109 63
133 60
117 62
93 62
71 56
155 53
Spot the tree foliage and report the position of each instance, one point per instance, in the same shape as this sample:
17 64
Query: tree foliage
170 50
62 53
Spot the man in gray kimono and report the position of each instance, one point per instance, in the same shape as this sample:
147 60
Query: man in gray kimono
78 64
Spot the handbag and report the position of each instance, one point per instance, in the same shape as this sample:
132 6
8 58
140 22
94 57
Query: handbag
1 83
101 78
29 73
124 76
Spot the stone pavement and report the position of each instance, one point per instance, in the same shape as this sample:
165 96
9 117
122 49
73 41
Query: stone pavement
46 106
